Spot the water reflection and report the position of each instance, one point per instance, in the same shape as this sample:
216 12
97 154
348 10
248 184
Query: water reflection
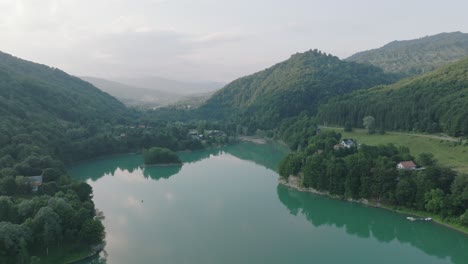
266 155
96 169
383 226
161 172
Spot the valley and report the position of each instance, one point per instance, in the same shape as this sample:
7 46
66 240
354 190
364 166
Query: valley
72 176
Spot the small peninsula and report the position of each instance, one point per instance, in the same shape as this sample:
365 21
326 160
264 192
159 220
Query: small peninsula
160 156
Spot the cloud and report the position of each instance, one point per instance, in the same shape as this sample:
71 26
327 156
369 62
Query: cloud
220 37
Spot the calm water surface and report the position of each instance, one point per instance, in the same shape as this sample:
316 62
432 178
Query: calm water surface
225 206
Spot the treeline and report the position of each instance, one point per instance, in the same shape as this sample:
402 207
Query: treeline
370 172
435 102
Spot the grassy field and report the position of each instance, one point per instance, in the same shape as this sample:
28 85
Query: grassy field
448 153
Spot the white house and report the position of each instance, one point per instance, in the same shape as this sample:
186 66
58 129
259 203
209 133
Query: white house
36 181
347 143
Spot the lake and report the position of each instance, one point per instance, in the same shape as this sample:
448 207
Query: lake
226 206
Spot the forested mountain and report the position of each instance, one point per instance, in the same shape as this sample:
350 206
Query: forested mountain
434 102
28 89
413 57
43 113
47 119
299 84
134 96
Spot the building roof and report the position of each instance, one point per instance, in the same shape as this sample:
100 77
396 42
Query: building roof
407 164
35 180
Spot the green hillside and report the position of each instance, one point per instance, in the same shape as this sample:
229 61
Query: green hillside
28 89
48 119
413 57
299 84
434 102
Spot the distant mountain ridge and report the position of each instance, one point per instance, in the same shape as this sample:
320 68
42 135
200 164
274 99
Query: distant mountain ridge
418 56
133 96
286 89
171 86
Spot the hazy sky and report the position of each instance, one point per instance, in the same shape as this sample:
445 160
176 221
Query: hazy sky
209 39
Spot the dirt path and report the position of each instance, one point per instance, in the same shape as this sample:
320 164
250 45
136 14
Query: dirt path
441 137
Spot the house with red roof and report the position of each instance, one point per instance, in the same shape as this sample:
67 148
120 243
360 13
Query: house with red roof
406 165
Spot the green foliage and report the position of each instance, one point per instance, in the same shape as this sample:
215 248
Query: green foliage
426 159
264 99
297 131
158 155
435 200
92 231
464 218
430 103
413 57
291 165
370 172
369 123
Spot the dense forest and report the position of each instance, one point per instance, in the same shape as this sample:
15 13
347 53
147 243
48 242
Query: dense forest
434 102
418 56
49 119
264 99
370 172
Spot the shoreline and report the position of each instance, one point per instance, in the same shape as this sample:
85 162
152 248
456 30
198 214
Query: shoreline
162 165
294 183
95 250
256 140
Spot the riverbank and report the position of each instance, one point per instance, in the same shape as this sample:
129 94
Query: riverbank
294 182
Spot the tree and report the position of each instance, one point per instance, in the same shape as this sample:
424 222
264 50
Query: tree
83 190
405 191
464 218
291 165
92 231
51 174
435 200
459 196
8 186
7 209
426 159
369 124
14 239
47 227
348 127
